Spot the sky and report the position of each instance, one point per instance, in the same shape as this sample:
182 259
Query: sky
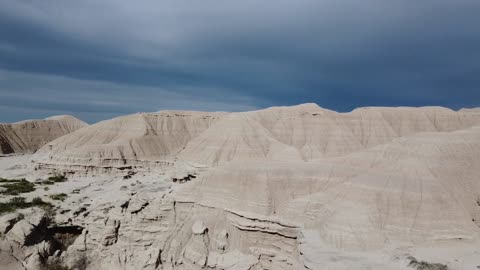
101 59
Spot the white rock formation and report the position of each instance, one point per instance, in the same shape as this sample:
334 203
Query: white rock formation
303 133
28 136
147 139
283 188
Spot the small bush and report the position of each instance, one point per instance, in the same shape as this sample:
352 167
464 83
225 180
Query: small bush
47 182
20 203
3 180
53 179
37 201
57 178
59 197
422 265
15 187
14 204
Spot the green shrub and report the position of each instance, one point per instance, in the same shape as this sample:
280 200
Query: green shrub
422 265
17 201
58 197
37 201
3 180
13 204
15 187
5 208
47 182
53 179
57 178
20 203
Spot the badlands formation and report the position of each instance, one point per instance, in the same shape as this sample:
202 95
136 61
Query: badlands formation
28 136
282 188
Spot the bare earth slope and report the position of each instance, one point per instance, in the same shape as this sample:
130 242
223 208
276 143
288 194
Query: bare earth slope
28 136
282 188
144 138
304 132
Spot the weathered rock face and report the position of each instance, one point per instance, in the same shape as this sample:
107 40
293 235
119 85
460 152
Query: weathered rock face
168 234
302 133
30 240
7 221
144 140
28 136
282 188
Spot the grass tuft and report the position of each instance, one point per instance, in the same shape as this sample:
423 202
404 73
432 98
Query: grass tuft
58 197
46 182
422 265
3 180
15 187
58 178
20 203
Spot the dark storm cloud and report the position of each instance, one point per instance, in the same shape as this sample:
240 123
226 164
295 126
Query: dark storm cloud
235 55
30 95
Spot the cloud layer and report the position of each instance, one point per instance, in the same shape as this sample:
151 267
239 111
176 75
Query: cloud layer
98 59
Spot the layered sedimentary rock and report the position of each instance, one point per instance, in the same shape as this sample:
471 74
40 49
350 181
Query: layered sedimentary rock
146 139
305 132
285 215
308 132
419 188
28 136
283 188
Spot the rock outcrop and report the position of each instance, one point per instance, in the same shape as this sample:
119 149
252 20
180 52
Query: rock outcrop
28 136
283 188
144 139
303 133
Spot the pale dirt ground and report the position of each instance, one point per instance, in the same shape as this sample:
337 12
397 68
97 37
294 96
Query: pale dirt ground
100 190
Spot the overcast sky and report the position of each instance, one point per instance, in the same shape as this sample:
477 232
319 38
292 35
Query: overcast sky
100 59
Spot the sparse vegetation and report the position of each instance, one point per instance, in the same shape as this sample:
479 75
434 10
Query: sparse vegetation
37 201
187 178
12 205
20 203
47 182
58 197
16 186
52 180
58 178
3 180
422 265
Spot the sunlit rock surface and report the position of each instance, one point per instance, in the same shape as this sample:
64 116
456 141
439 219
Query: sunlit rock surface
282 188
28 136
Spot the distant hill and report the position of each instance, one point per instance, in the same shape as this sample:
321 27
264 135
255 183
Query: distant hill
29 135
